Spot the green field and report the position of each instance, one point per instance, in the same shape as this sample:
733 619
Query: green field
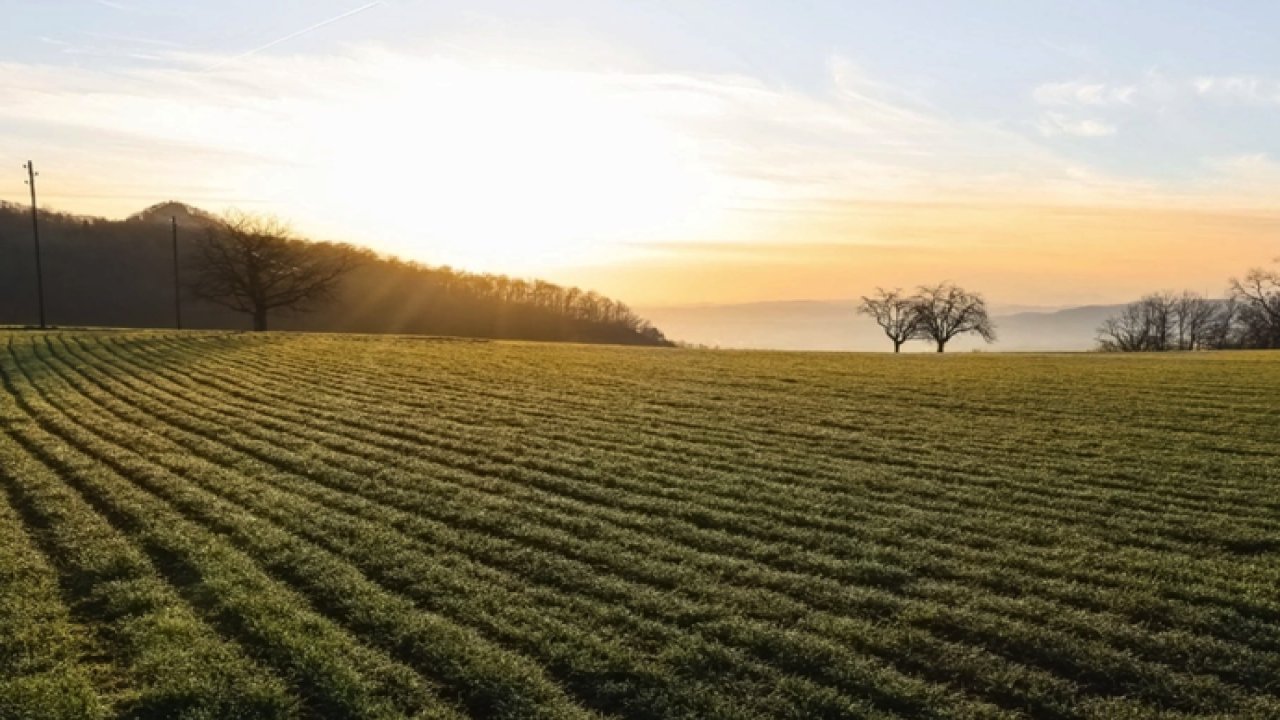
235 525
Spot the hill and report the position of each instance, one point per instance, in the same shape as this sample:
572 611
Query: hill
835 325
120 274
306 526
171 211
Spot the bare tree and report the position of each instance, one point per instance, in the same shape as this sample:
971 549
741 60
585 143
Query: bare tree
1157 309
1192 316
254 264
1221 332
944 311
1128 331
895 313
1258 297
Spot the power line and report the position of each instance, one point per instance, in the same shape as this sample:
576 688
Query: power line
35 233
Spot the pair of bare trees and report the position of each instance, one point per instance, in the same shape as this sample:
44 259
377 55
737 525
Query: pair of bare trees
937 313
1248 318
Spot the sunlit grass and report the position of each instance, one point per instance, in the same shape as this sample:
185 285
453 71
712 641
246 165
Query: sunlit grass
214 525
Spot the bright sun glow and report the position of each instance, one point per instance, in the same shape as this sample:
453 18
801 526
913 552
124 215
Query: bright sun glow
505 168
664 182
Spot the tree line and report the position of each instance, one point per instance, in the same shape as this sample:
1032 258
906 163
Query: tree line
251 271
1249 317
935 313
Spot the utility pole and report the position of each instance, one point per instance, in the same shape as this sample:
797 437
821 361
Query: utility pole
35 232
177 282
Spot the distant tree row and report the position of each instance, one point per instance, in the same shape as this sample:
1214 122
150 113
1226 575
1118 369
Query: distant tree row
571 302
1248 318
119 273
936 313
253 264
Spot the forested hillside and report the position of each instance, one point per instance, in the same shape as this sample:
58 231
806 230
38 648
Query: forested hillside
120 273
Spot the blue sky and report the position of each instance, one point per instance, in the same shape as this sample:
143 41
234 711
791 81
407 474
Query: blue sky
631 142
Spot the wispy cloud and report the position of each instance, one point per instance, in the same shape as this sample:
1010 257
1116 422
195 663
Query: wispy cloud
1253 176
114 5
742 157
852 183
1052 124
1077 92
1153 88
155 42
111 53
1249 89
294 35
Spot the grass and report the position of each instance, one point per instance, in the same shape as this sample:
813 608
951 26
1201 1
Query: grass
208 525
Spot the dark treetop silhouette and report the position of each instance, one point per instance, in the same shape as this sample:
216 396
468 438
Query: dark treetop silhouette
1248 318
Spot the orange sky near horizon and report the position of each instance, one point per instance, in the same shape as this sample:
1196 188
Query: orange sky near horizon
1023 255
1050 255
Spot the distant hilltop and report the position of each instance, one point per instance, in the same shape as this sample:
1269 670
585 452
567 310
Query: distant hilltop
166 212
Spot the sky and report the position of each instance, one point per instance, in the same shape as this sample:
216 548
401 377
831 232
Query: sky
682 151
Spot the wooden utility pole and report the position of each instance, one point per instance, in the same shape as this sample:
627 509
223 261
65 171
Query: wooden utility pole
35 232
177 278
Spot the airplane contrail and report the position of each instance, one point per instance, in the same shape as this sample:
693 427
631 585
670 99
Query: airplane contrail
293 35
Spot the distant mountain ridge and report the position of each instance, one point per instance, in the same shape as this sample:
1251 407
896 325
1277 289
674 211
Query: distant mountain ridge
836 326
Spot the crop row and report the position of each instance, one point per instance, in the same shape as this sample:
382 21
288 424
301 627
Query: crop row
987 560
368 528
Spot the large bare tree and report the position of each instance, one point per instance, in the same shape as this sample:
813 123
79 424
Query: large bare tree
1222 330
894 312
255 264
1193 318
1133 329
945 310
